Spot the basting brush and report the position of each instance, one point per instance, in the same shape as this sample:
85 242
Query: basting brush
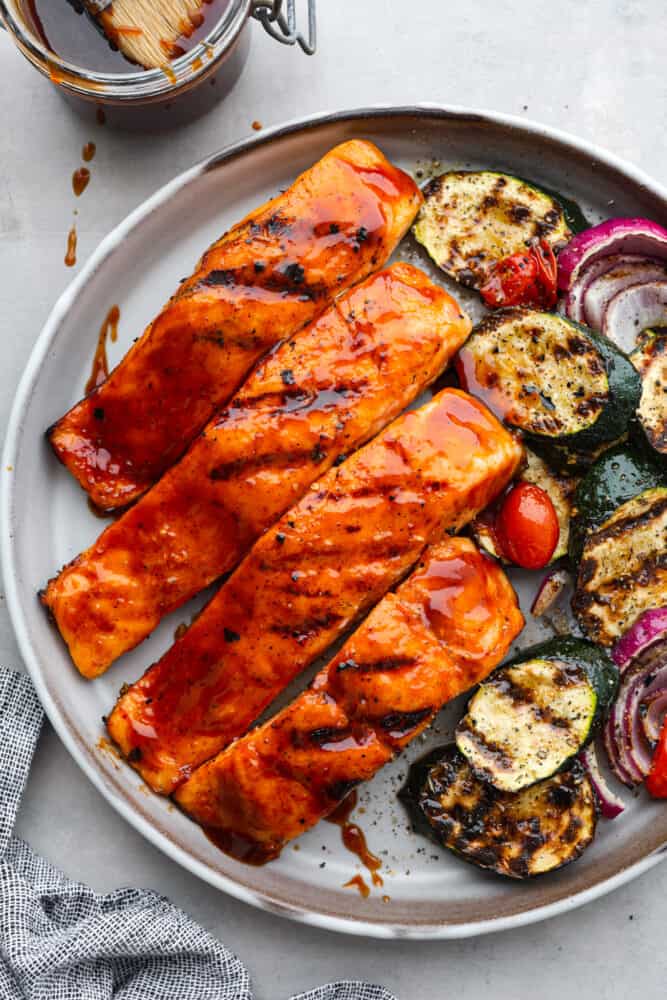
147 32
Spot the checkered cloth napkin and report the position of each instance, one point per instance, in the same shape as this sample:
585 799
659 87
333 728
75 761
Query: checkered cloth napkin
59 940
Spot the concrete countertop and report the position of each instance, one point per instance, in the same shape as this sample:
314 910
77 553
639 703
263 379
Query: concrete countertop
594 69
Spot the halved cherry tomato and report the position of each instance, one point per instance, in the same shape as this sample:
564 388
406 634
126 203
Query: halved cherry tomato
527 527
523 279
656 783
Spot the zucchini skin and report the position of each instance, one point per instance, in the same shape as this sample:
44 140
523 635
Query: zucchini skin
518 836
572 211
574 451
600 668
618 475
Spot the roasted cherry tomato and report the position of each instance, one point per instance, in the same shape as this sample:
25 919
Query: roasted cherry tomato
527 526
656 783
523 279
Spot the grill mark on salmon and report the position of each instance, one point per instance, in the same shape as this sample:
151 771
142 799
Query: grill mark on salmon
386 664
272 460
294 399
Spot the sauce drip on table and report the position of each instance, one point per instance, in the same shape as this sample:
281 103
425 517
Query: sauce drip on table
355 841
100 366
70 255
80 180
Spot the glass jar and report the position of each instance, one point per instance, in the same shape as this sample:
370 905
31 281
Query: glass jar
160 98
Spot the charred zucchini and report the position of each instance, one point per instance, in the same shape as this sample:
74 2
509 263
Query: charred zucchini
472 219
569 390
650 360
623 568
559 489
530 718
618 475
519 835
527 721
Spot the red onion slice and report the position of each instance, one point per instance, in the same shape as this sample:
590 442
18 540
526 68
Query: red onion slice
644 679
634 310
615 236
600 291
549 591
652 713
615 743
651 627
611 804
639 751
574 302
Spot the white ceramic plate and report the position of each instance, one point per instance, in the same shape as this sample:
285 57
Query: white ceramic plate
45 522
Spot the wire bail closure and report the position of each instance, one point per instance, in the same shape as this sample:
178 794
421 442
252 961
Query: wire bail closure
281 24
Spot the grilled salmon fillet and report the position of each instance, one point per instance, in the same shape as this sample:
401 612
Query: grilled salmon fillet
440 633
328 560
263 280
318 397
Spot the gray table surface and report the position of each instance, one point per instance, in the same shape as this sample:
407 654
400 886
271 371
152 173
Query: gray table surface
596 69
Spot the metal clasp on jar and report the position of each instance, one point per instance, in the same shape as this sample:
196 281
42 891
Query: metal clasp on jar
279 20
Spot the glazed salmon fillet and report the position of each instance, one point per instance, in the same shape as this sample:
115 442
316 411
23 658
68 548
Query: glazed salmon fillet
440 633
264 279
326 562
308 404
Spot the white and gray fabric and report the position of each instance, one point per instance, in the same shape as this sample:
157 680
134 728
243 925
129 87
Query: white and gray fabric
59 940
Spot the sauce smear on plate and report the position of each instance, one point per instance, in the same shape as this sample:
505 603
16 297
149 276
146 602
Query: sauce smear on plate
100 367
355 841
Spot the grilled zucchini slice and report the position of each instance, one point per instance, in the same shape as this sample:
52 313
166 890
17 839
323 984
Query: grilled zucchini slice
527 721
530 718
559 489
472 219
623 568
569 390
650 360
618 475
519 835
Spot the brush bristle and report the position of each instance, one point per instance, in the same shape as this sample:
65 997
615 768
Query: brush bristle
148 31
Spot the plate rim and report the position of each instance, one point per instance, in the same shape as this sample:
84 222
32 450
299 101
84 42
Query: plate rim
263 900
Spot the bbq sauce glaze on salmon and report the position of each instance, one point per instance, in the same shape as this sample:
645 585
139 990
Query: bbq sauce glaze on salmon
327 561
440 633
263 280
308 404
